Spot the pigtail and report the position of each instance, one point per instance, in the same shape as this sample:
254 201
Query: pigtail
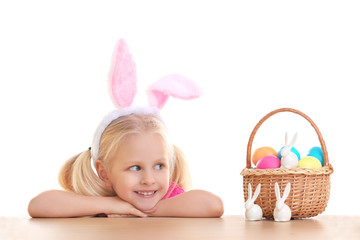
77 176
181 174
65 174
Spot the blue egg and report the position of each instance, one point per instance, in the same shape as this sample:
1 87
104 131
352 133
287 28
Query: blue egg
317 153
294 150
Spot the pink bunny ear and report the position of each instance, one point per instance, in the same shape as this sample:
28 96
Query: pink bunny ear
174 85
122 76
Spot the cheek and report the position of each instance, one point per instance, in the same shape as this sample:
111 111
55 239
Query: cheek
123 184
164 178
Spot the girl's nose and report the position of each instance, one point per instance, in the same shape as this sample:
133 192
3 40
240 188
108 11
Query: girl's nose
148 178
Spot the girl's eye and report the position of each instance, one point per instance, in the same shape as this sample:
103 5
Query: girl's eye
159 166
135 168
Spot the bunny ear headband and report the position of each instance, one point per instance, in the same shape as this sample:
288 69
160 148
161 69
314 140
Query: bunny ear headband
122 81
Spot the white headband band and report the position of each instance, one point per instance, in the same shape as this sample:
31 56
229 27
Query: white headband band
115 115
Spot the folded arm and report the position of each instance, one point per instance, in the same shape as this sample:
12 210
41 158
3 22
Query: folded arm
194 203
56 203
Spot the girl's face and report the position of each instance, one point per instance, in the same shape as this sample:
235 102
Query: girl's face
139 170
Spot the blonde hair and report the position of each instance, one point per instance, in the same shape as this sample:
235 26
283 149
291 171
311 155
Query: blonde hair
77 174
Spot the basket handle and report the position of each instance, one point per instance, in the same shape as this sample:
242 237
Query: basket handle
251 139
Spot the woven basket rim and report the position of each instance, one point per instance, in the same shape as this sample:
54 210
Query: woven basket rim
286 171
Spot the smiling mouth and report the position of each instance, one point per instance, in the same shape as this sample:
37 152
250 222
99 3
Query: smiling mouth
146 193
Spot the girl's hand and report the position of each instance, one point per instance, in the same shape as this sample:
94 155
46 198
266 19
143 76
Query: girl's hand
149 212
115 207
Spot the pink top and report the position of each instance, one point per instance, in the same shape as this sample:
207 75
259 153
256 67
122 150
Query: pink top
173 191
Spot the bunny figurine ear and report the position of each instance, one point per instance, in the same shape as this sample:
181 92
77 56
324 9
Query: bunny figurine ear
277 191
293 141
174 85
249 191
286 191
257 191
122 76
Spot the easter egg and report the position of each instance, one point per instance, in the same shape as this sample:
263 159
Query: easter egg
294 150
317 153
309 162
262 152
268 162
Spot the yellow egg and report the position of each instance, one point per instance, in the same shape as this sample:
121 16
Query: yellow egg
309 162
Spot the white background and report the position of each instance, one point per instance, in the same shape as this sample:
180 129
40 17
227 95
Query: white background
250 57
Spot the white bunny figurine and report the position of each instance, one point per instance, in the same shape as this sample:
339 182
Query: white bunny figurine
253 211
288 158
282 212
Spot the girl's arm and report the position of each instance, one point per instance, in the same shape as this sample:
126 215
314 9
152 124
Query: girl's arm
55 203
195 203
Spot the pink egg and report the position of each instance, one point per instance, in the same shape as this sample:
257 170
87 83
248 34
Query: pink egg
268 162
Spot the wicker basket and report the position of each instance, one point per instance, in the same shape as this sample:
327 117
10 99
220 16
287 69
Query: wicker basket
310 187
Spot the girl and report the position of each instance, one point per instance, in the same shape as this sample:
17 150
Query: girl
138 171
